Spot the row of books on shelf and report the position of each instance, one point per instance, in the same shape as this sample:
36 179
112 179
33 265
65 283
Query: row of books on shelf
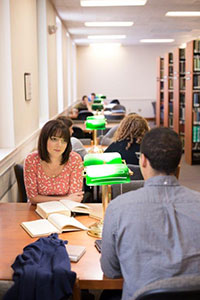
196 46
171 83
197 63
182 67
196 134
196 116
182 83
182 113
196 99
196 82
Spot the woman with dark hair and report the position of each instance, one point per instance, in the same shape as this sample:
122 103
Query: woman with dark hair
128 137
53 171
77 146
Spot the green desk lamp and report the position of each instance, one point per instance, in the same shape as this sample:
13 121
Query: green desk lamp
95 123
102 170
97 106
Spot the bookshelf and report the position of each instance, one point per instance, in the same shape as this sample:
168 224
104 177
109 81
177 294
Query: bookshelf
160 92
192 103
168 90
179 92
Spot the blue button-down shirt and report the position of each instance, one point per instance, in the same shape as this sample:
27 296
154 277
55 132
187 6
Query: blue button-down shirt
152 233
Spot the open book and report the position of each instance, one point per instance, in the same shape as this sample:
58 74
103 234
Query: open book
55 222
63 206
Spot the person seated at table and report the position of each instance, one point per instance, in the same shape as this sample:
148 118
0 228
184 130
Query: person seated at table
153 233
53 171
91 97
128 137
81 105
77 146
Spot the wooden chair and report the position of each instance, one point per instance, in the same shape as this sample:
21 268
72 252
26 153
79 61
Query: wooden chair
118 189
175 288
19 173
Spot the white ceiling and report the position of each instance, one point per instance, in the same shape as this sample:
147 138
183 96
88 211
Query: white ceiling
149 20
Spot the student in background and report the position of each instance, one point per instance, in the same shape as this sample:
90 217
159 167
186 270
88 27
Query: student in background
128 137
92 97
81 105
53 171
154 232
77 146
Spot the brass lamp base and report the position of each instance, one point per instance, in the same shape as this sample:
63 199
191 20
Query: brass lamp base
96 149
95 230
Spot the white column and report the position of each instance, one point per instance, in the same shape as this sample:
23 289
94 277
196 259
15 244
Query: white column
7 139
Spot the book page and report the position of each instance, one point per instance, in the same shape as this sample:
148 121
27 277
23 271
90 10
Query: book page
75 206
66 223
44 209
39 228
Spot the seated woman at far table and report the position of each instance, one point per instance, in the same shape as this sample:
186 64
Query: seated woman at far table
128 137
53 171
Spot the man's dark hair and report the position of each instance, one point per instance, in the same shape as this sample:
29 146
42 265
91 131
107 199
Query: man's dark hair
163 148
54 128
68 122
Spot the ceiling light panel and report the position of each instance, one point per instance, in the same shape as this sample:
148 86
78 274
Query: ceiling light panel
108 24
106 37
157 40
183 14
112 2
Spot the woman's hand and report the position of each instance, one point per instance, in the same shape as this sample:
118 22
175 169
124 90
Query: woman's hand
78 197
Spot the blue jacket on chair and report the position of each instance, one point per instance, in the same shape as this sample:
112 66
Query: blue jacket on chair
42 271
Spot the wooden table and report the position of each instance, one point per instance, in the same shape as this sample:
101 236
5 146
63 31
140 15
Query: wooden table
13 239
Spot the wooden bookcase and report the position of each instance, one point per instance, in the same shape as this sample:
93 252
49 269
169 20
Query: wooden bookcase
160 92
168 90
192 103
179 93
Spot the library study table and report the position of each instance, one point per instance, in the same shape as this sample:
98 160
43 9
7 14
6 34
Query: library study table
13 238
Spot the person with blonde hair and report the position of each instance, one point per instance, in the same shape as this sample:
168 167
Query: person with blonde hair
128 137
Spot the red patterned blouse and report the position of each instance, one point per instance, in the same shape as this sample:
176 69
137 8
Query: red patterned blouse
69 181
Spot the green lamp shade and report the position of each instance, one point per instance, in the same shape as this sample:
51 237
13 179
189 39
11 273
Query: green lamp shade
97 101
107 174
102 158
100 96
97 106
94 122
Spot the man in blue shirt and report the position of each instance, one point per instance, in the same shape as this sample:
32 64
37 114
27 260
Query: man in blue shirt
154 232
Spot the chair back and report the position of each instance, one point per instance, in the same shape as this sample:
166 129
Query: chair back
118 189
177 173
115 116
118 108
19 173
175 288
83 114
115 101
137 175
78 132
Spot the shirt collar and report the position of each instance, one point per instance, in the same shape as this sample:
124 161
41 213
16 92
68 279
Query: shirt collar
165 180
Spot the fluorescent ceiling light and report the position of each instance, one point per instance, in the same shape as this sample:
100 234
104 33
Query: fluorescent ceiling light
105 45
106 37
157 40
183 14
108 24
112 2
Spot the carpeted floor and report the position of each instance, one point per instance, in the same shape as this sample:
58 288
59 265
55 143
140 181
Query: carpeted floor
190 175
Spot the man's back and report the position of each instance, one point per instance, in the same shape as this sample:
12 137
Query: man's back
152 233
